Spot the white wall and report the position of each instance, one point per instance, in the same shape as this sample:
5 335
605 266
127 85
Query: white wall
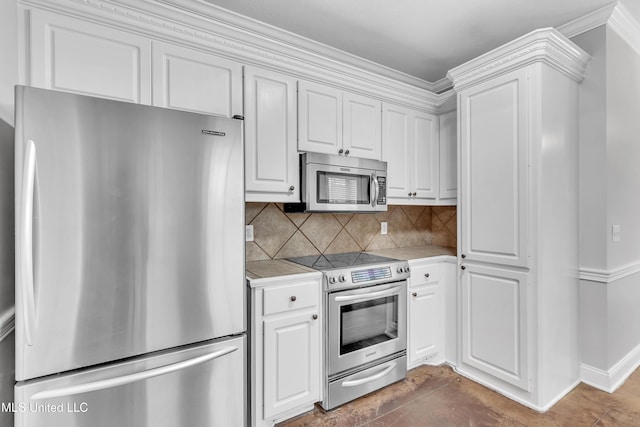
8 78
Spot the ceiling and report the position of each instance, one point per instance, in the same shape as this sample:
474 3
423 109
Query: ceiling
422 38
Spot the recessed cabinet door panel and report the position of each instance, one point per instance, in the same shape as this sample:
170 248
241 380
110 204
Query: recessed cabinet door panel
448 156
319 118
291 362
191 80
89 59
426 324
271 155
362 126
396 139
494 317
425 155
494 172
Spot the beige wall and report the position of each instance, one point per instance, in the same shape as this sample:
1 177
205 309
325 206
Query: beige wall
284 235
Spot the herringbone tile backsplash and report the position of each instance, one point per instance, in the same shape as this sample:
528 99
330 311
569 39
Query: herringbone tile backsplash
285 235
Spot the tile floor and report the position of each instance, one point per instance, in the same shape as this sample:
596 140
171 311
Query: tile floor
437 396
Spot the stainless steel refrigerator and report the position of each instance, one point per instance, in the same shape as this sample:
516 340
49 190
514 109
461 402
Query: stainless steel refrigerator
130 283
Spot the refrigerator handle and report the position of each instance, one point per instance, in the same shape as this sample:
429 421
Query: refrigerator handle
127 379
26 239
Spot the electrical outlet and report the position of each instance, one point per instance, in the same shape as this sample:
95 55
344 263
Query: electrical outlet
383 228
248 233
615 233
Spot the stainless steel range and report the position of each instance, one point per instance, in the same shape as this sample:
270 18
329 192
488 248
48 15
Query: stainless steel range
365 331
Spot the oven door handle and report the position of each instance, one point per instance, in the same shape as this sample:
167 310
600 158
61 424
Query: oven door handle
363 297
355 383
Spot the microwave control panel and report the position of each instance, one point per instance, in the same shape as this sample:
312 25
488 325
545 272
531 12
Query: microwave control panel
382 190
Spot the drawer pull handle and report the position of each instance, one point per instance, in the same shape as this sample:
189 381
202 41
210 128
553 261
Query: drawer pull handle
314 317
415 294
293 298
426 275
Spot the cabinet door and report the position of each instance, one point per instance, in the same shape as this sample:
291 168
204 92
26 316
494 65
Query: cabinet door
424 157
71 55
319 118
396 142
494 323
188 79
426 324
448 156
291 362
362 135
494 171
271 155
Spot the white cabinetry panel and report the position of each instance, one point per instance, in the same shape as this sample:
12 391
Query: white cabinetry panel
494 318
448 156
362 135
319 118
494 170
197 81
396 146
71 55
291 354
271 155
424 158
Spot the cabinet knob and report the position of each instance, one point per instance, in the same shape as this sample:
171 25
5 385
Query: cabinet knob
426 275
463 256
415 294
340 151
314 317
415 194
292 188
462 267
293 298
409 194
346 153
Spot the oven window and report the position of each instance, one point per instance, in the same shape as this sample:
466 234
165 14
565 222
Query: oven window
368 323
342 188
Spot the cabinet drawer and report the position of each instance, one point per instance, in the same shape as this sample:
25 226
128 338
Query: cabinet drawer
290 297
424 275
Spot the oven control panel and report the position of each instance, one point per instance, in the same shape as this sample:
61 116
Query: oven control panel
365 275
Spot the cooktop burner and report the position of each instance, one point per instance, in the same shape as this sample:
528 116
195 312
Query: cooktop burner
344 260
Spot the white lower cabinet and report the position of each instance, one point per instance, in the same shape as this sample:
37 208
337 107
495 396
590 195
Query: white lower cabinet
285 347
426 312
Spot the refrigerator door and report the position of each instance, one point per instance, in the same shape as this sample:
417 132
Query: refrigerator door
129 230
200 386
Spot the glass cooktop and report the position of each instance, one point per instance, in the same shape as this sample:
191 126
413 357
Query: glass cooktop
344 260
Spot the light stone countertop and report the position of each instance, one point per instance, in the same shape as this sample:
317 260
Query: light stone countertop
270 268
415 252
274 268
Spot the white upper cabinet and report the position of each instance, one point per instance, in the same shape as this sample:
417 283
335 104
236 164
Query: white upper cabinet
362 126
319 118
494 170
410 148
334 122
197 81
448 156
271 155
76 56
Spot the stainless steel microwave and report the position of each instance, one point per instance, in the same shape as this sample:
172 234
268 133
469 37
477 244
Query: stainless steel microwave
331 183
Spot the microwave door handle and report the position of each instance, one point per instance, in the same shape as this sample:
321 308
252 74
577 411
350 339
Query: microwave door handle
363 297
375 190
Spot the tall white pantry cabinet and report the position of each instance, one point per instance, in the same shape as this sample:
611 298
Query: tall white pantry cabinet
518 217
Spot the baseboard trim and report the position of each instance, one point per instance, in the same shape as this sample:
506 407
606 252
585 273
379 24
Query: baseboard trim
7 323
612 379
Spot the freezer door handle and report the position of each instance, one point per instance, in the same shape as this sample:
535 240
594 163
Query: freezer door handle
127 379
26 239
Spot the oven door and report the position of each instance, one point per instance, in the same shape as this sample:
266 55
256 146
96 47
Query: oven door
365 324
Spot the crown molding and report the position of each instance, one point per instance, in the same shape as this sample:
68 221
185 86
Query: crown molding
545 45
7 322
623 23
587 22
202 25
